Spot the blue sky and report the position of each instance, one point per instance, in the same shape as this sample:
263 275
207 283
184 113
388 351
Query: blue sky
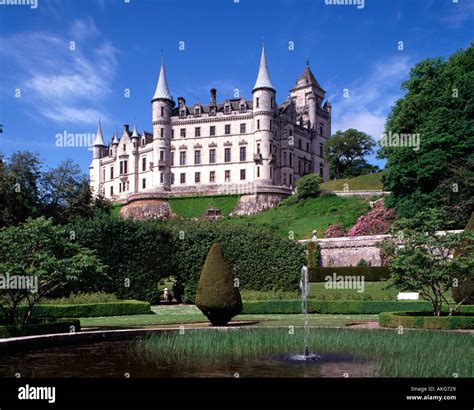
48 88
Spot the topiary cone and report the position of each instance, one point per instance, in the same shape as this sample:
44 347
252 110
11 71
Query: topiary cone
216 295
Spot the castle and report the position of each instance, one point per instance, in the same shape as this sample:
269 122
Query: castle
256 147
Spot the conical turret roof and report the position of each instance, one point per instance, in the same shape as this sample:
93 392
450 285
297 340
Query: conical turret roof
115 139
263 78
99 138
162 90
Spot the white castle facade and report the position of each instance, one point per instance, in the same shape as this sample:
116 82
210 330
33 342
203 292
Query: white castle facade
229 147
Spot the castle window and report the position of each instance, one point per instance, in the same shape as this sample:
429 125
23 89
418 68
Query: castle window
285 155
227 109
162 111
299 143
320 129
182 132
197 112
242 108
197 177
120 187
172 179
284 179
271 125
227 157
321 170
243 128
161 177
227 129
112 172
290 132
124 148
162 132
291 179
143 183
134 144
197 157
182 158
172 134
321 150
243 153
242 174
258 124
212 176
172 159
212 156
227 175
291 159
197 131
111 191
162 155
182 178
143 142
271 102
103 174
182 113
212 130
258 148
307 146
212 111
257 102
258 172
125 163
144 162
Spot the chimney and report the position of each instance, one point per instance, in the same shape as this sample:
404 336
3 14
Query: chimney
126 128
213 96
181 101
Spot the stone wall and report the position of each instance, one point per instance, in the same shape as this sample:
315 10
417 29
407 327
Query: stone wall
147 209
252 204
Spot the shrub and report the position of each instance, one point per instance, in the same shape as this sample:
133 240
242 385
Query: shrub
335 231
259 258
138 254
308 186
60 326
217 296
82 298
419 320
370 273
377 221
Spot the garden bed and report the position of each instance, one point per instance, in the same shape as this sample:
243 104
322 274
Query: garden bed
423 320
41 328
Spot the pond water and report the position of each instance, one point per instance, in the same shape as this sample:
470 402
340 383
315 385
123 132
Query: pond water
119 359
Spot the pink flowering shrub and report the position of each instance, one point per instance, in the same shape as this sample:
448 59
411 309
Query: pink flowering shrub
377 221
334 231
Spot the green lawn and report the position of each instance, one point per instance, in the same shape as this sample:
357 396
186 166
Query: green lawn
194 207
176 315
301 219
370 182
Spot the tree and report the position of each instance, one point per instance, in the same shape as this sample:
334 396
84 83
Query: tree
346 150
424 262
437 107
217 296
308 186
36 258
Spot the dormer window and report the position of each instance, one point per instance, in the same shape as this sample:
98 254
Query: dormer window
182 113
242 108
212 111
197 112
227 109
143 142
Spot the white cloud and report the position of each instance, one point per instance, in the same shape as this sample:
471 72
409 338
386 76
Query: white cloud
63 85
371 98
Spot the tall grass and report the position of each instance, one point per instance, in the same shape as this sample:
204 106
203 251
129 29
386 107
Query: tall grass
411 354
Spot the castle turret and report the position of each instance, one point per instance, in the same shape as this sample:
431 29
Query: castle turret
115 143
99 150
99 145
162 106
264 109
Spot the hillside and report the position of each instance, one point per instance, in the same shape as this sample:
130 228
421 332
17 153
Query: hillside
369 182
194 207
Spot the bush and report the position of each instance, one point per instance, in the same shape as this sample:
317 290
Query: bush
463 320
377 221
259 258
308 186
138 254
370 273
217 296
335 231
60 326
122 308
82 298
267 295
332 307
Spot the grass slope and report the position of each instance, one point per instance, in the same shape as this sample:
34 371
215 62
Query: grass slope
313 213
370 182
194 207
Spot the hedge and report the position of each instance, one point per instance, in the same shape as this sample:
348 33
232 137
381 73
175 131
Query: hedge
410 320
61 326
122 308
333 306
259 258
370 273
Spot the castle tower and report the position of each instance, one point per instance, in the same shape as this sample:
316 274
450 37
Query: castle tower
264 109
162 106
115 143
98 151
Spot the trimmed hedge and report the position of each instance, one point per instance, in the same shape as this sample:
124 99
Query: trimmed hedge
61 326
410 320
333 307
370 273
122 308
